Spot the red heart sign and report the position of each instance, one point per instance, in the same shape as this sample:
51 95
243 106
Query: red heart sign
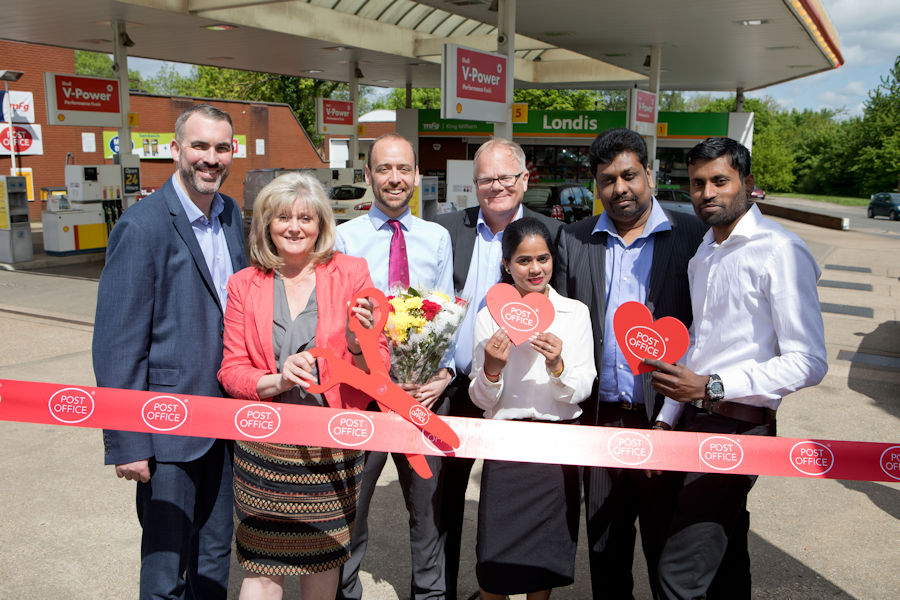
521 316
639 336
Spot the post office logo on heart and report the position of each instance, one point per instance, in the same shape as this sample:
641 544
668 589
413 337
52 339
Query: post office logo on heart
521 316
639 336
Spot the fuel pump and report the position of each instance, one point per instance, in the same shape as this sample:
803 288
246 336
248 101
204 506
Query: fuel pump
81 221
15 229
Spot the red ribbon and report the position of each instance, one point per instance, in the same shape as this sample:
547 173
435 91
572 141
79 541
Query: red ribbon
201 416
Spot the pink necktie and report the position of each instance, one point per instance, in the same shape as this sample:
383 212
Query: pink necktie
398 267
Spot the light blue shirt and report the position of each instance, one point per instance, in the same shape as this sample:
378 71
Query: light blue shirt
428 252
484 271
627 279
211 237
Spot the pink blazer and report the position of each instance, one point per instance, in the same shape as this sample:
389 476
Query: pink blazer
249 352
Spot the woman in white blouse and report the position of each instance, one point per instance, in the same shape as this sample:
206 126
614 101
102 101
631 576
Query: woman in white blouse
528 512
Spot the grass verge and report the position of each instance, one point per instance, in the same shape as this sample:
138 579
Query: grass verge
845 200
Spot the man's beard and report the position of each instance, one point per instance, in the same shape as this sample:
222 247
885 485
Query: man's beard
190 175
729 214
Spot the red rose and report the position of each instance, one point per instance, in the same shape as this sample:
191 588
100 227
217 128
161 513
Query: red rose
430 309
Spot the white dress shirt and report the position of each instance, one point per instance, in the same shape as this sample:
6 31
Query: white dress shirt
211 237
757 322
428 251
484 271
526 388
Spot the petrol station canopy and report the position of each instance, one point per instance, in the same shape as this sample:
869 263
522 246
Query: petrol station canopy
706 45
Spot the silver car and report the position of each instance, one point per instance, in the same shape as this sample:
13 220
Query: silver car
675 200
350 201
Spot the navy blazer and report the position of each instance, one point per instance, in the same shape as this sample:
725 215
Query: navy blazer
580 273
159 323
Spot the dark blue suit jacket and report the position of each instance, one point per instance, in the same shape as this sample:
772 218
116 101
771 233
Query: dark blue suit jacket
580 273
159 322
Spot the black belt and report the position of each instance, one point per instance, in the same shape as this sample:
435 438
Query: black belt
623 405
758 415
560 422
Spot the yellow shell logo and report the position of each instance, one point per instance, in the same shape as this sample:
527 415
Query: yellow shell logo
458 108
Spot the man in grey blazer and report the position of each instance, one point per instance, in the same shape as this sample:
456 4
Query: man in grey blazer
501 178
633 251
158 327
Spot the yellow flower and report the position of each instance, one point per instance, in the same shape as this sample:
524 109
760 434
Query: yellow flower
399 305
442 296
418 323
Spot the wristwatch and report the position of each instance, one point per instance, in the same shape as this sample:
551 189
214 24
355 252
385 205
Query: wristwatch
715 392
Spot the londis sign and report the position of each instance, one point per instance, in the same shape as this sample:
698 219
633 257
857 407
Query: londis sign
80 100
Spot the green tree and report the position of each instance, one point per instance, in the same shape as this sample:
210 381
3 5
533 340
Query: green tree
98 64
773 162
557 99
554 99
857 156
614 100
877 164
419 98
94 64
299 93
763 108
773 159
169 82
672 101
808 134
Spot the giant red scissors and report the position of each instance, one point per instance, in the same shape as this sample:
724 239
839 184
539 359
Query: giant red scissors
377 382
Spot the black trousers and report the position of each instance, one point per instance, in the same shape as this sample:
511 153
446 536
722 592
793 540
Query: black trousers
706 554
455 480
614 499
426 540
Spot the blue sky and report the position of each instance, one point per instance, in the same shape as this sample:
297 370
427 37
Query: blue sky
869 32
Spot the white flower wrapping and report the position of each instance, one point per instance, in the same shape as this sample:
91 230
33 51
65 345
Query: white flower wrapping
420 328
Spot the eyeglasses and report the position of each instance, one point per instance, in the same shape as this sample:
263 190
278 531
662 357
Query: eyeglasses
504 180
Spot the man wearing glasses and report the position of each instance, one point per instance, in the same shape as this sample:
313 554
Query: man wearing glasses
476 233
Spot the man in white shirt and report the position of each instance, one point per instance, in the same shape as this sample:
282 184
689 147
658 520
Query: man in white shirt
757 336
392 172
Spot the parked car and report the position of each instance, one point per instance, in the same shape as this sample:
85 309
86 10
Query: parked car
758 194
885 204
676 201
568 202
350 201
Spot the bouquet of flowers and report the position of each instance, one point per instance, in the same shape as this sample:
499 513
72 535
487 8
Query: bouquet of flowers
420 327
